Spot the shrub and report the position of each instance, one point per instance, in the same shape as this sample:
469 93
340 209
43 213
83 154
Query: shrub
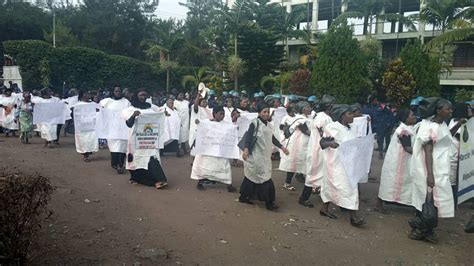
23 201
398 83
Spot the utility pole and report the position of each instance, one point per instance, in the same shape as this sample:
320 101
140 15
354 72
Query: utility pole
54 28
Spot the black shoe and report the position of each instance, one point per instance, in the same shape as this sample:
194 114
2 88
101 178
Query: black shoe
357 222
470 226
272 207
246 201
231 189
200 186
306 203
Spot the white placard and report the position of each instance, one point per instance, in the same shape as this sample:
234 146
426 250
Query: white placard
218 139
356 156
110 125
466 163
85 116
148 130
52 113
363 126
243 122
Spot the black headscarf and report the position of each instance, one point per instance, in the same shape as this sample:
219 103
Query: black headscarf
217 109
403 115
261 106
136 102
326 101
301 105
429 106
460 110
338 110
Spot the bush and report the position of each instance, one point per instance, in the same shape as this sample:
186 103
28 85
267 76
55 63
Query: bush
299 82
23 201
398 84
79 67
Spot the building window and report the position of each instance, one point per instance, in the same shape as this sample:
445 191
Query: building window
464 56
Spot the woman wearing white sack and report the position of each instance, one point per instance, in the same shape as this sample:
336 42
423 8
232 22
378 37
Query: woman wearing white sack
395 180
430 165
144 168
182 106
8 105
336 186
199 111
210 168
86 142
257 154
297 145
48 131
172 122
117 147
315 155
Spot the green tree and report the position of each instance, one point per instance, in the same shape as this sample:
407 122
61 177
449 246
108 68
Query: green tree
398 84
64 36
340 69
200 75
423 67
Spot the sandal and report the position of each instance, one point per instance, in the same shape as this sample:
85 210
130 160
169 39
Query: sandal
132 182
272 207
161 185
289 187
306 203
85 159
357 222
327 214
246 201
231 189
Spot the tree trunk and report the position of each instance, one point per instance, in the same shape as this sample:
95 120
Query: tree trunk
168 75
366 22
236 79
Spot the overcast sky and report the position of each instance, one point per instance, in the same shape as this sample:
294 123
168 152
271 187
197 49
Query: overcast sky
171 9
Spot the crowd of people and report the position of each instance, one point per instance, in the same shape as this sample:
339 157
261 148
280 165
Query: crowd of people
419 144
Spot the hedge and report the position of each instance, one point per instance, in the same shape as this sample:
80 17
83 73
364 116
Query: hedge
79 67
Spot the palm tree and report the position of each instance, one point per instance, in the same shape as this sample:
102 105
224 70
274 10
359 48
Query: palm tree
167 40
201 75
236 68
296 15
452 17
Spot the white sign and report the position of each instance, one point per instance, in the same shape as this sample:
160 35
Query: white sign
362 124
466 162
110 125
218 139
52 113
356 156
85 117
243 122
148 130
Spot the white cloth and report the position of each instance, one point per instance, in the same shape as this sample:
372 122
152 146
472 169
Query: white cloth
395 180
453 171
172 126
8 111
202 114
86 141
212 168
442 193
47 130
315 156
116 145
183 112
297 145
336 186
258 166
140 161
228 114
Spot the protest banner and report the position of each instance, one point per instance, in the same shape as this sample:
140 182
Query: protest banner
85 116
51 113
110 125
148 131
466 163
218 139
243 122
356 156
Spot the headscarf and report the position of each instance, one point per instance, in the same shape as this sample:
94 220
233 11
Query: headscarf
136 102
460 110
429 106
301 105
355 107
217 109
403 115
338 110
261 106
326 101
